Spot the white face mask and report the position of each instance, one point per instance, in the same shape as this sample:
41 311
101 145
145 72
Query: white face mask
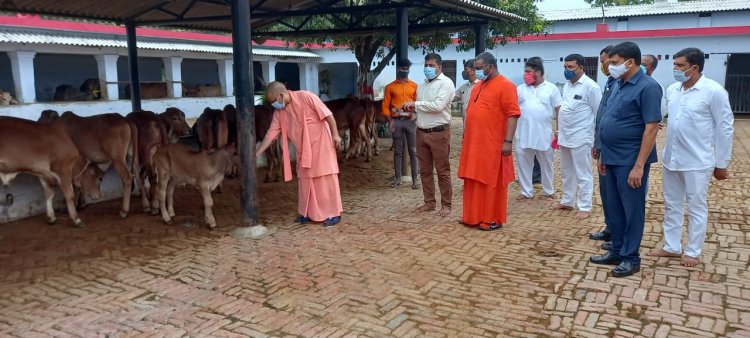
617 71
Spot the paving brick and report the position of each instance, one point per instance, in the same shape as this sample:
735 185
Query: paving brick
385 271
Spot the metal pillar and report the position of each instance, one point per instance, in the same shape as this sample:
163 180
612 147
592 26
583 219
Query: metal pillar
245 114
135 80
402 52
480 33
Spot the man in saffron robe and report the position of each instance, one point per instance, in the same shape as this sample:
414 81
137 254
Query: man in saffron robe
486 164
302 117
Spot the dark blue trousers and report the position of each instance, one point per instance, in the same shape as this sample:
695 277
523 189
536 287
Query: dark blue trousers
625 210
603 195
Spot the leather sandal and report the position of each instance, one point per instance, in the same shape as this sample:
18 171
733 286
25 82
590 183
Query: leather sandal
490 226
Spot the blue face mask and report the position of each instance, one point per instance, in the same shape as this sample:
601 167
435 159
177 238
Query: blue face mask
680 76
430 73
569 74
480 73
643 69
279 105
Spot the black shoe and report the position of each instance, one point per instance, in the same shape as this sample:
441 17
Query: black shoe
331 221
607 259
601 236
607 246
625 269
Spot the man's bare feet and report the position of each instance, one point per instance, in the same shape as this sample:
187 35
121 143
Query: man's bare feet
662 253
445 211
582 214
560 206
549 197
522 197
425 208
689 261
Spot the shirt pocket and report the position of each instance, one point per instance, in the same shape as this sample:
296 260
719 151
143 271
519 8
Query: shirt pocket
696 110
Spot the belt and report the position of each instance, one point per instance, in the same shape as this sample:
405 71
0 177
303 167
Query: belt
401 118
434 129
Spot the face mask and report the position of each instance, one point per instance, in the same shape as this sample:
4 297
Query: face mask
643 69
681 76
480 73
569 74
616 71
430 73
402 74
528 78
465 75
605 70
279 105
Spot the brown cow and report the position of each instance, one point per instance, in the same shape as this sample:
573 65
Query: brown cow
149 91
7 99
212 129
92 87
46 151
105 140
174 121
207 90
177 164
263 118
152 133
69 93
352 113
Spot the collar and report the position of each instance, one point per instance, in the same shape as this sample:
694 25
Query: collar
635 78
698 84
581 79
396 81
440 76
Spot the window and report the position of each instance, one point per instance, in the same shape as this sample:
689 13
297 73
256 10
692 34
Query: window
591 67
704 15
449 69
666 56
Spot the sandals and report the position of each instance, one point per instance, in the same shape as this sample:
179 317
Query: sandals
302 219
490 226
395 183
331 221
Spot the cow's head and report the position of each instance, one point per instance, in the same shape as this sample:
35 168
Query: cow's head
93 88
174 121
48 116
88 177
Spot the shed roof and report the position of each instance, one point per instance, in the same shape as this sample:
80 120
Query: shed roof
657 8
119 41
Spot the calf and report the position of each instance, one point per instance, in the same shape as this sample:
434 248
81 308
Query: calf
263 118
174 121
149 91
212 129
69 93
352 112
152 133
46 151
177 164
104 140
204 91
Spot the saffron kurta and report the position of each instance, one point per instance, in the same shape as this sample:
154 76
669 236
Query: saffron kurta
486 173
303 121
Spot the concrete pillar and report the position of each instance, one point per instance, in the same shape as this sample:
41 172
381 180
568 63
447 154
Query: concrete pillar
226 77
311 74
22 65
107 67
173 70
269 70
303 76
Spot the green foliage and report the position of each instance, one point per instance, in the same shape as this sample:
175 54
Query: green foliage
599 3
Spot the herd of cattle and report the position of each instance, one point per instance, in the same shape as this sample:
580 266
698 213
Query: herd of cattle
159 151
90 90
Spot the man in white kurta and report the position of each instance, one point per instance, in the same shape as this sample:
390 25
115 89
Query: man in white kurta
581 97
540 101
698 146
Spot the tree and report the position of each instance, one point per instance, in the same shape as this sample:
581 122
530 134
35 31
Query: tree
599 3
368 46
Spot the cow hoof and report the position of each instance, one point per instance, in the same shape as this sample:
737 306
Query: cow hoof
168 221
123 214
146 210
211 227
51 221
155 212
78 223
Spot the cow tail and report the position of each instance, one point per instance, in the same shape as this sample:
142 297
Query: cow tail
134 164
221 130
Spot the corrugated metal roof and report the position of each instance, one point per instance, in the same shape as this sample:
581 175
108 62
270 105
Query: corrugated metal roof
657 8
104 40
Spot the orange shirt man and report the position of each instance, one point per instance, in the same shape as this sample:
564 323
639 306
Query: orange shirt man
402 124
486 164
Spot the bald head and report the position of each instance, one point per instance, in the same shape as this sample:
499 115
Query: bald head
275 89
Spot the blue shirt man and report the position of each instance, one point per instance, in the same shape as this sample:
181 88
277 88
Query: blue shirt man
627 133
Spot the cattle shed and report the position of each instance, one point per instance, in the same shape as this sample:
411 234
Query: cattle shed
246 19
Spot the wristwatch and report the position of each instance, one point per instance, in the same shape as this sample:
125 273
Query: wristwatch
508 141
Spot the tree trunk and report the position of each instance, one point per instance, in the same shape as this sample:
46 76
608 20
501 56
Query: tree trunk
365 49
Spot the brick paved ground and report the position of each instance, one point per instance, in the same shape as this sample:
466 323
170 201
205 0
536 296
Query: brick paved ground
384 272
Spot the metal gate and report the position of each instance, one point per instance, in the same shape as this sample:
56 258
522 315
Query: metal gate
738 87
